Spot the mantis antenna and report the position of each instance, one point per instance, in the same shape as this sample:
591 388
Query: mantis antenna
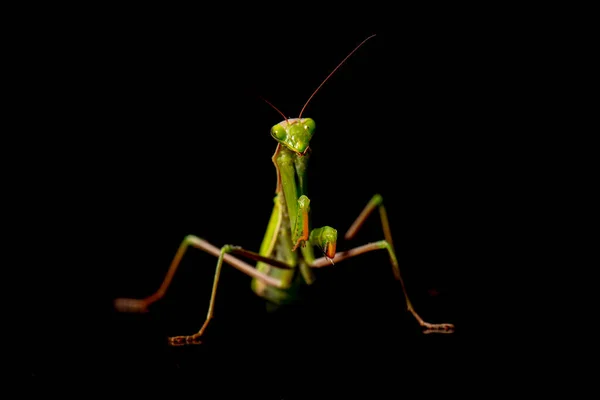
331 73
322 83
276 109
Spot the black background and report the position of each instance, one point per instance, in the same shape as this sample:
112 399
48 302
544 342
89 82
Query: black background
151 129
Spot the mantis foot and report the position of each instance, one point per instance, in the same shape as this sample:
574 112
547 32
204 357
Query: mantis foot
131 305
437 328
185 340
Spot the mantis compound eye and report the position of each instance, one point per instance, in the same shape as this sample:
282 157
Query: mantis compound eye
309 125
278 132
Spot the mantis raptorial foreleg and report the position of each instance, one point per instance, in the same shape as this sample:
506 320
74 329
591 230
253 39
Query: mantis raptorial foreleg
377 202
301 232
223 254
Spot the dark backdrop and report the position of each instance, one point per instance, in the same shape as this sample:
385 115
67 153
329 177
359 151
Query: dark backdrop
150 131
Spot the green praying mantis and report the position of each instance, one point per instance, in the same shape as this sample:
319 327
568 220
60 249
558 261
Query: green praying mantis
286 258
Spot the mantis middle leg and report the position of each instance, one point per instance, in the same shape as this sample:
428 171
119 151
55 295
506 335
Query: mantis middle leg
223 254
376 202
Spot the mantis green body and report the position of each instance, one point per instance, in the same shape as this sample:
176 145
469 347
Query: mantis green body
286 256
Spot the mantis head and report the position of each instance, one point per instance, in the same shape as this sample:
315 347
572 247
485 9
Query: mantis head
294 133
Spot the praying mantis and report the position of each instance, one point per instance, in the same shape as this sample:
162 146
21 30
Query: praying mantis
286 257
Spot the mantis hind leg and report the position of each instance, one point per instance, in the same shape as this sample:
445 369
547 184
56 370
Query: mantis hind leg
376 202
223 254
